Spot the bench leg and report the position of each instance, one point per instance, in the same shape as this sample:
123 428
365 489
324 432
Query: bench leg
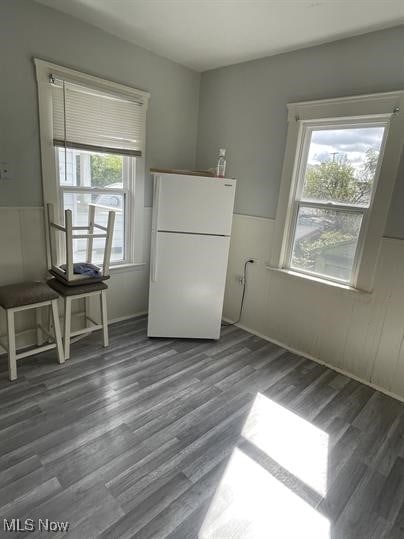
104 317
86 310
38 322
58 334
50 324
12 359
68 321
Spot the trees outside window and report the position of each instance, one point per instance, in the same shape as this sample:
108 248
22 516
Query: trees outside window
334 179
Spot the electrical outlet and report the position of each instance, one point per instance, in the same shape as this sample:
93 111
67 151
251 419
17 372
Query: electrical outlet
5 172
240 279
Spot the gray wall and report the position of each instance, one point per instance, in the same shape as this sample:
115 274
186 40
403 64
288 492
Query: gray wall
243 109
30 30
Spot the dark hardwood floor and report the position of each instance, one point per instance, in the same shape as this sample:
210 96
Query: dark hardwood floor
185 439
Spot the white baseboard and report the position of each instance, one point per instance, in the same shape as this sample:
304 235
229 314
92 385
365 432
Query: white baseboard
31 333
27 337
319 361
128 317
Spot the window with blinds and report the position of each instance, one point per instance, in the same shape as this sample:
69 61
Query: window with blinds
98 135
88 119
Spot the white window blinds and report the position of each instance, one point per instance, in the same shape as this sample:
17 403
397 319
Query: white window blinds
90 119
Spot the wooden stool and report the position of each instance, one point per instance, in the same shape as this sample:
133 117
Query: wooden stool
69 293
23 296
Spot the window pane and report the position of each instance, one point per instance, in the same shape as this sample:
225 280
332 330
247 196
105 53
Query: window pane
325 242
69 167
90 169
78 204
341 164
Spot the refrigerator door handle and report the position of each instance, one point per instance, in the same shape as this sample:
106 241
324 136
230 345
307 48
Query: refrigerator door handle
153 256
153 246
156 201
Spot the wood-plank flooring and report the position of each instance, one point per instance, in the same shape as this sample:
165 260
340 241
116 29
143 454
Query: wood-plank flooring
185 439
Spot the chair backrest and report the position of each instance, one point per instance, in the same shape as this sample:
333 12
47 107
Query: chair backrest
79 232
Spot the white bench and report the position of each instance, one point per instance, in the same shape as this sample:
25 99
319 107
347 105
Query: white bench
21 297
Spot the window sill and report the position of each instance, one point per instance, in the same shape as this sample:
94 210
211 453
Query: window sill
338 286
121 268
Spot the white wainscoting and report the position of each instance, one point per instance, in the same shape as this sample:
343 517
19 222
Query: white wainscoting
358 334
22 245
23 257
129 288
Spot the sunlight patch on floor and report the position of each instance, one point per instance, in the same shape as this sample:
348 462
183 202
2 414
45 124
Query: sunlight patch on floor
294 443
250 503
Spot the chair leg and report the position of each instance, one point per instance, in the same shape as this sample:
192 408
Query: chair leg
58 334
68 320
104 317
12 359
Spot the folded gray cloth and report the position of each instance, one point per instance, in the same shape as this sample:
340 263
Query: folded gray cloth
83 268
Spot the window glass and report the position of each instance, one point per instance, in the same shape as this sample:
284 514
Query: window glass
69 167
341 164
78 204
107 173
92 169
333 194
325 242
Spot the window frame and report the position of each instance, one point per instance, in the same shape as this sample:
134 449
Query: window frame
134 218
307 128
386 109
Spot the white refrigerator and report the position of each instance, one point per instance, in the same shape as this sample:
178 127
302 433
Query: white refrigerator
191 227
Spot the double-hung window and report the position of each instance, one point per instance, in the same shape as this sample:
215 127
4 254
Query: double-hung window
337 176
93 134
339 170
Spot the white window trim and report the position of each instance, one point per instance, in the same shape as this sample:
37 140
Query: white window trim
49 171
386 107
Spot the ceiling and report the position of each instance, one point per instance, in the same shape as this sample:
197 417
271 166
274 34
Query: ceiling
205 34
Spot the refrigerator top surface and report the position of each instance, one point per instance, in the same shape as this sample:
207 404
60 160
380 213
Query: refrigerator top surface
193 204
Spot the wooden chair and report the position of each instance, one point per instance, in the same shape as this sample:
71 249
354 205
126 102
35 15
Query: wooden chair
71 286
66 273
19 297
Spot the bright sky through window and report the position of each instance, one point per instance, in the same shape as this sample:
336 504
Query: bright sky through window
350 145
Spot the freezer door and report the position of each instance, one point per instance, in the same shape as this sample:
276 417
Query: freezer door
193 204
187 280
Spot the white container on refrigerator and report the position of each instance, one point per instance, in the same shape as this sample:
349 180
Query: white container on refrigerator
191 227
